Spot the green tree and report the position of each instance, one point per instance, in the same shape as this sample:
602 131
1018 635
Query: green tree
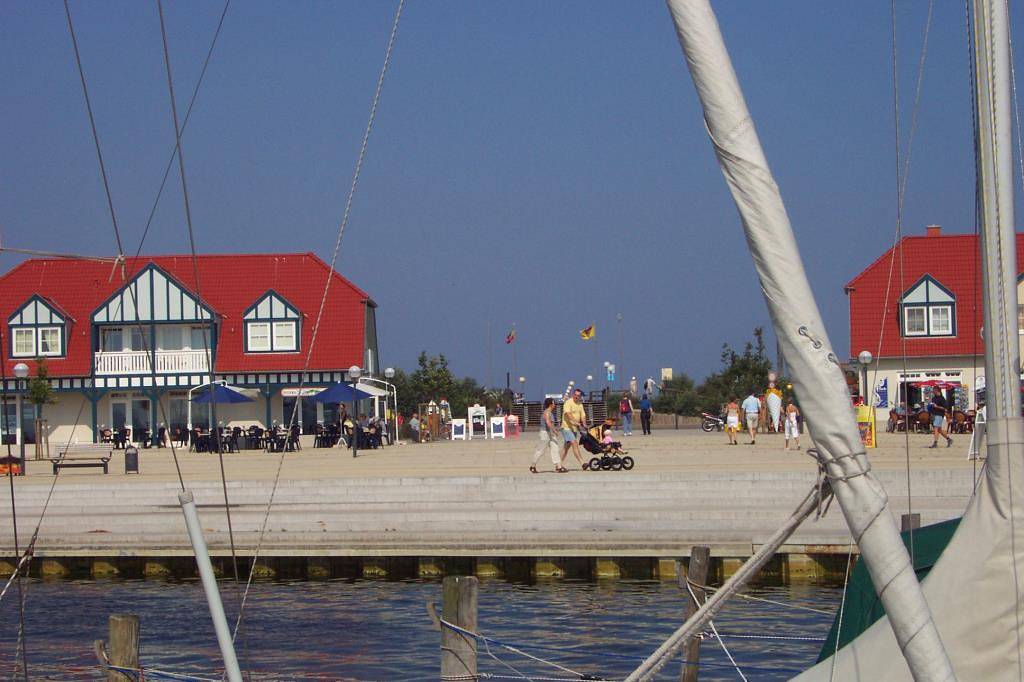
40 392
433 380
677 396
741 373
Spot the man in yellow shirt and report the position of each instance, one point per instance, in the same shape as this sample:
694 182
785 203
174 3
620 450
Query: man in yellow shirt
574 418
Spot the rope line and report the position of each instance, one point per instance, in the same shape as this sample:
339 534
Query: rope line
748 597
195 271
92 125
721 643
184 124
509 647
14 525
1009 474
327 285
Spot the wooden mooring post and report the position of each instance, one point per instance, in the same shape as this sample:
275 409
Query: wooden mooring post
697 574
458 651
122 645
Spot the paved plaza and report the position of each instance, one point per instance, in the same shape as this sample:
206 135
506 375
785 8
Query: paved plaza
474 498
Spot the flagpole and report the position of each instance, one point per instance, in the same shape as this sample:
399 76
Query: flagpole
490 377
515 368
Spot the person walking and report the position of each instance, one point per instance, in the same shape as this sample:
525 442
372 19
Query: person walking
732 420
626 412
574 418
549 438
792 424
414 427
752 409
645 414
937 409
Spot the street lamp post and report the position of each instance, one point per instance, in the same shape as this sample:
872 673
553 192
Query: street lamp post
865 358
20 372
590 378
389 374
353 375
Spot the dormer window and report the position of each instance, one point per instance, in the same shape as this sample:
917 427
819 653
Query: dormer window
272 326
37 329
928 309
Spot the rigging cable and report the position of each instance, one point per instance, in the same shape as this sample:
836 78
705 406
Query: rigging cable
92 125
14 520
902 175
195 272
1001 323
327 285
721 643
972 80
184 124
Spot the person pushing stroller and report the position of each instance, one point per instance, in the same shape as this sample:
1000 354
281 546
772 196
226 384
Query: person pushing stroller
574 420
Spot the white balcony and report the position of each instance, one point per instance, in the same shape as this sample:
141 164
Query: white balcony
137 362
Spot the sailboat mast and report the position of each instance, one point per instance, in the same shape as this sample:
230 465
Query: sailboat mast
816 375
999 241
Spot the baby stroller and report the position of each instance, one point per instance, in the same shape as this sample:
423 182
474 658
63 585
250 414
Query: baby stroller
608 456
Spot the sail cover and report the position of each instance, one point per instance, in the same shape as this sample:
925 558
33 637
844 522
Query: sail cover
817 378
974 590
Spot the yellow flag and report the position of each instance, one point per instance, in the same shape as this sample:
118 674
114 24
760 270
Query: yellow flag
587 333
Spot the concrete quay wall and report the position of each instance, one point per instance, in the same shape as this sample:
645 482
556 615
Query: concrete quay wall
462 507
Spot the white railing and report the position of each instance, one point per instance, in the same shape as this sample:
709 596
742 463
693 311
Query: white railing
137 362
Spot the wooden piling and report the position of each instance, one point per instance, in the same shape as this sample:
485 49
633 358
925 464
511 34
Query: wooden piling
458 651
697 574
123 645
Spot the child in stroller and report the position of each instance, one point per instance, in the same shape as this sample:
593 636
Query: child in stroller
609 454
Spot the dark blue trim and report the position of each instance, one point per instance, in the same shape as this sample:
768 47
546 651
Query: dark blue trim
928 305
148 270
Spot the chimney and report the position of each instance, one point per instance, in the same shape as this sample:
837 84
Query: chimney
933 230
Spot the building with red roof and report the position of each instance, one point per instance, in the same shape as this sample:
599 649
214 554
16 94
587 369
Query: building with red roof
922 301
126 343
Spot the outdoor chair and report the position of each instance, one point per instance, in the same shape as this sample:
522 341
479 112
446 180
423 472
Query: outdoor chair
161 437
923 422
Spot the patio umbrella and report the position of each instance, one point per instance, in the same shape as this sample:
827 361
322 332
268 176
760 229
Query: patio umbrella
936 383
220 394
340 393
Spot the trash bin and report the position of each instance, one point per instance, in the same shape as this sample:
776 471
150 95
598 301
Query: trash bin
131 460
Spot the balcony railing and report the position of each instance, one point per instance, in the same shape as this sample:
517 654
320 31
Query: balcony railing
138 362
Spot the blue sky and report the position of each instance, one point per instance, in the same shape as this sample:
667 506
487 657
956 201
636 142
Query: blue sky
532 162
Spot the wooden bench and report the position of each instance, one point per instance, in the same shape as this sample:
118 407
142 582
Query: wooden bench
76 455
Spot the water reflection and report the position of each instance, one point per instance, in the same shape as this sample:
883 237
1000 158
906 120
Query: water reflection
373 630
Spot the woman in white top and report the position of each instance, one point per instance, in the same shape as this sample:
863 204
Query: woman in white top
792 424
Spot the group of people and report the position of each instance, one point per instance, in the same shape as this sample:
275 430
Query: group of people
561 438
753 411
626 413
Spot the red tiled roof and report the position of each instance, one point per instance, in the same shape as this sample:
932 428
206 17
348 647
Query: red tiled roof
952 260
230 284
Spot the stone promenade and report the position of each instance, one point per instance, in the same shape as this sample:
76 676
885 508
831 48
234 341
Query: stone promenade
471 499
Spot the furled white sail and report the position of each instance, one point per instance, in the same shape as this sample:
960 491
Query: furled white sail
975 587
817 378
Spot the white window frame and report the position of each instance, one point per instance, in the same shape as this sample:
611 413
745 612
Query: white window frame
55 346
277 343
906 320
28 332
253 348
932 329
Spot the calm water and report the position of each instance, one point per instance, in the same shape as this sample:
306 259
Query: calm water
374 630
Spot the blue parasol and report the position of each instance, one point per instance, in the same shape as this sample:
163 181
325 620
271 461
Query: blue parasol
220 394
340 393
